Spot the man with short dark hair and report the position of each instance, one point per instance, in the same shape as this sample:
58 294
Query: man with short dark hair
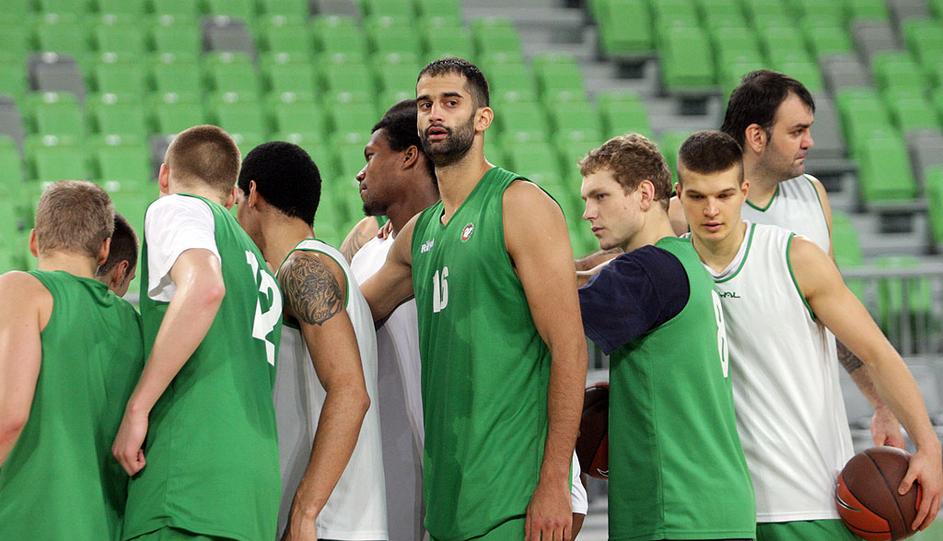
70 352
328 432
118 270
638 309
211 314
503 353
781 296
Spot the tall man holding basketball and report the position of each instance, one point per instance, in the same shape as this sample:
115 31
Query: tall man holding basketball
781 295
503 353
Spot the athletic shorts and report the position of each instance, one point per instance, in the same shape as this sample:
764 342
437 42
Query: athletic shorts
804 530
168 533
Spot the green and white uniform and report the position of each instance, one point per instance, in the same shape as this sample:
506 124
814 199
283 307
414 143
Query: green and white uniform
212 453
795 206
790 412
485 369
59 480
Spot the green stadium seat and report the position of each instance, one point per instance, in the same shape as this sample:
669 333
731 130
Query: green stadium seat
674 21
231 72
118 34
52 159
177 74
134 8
759 9
177 34
829 9
11 163
894 307
63 35
390 35
17 11
524 121
625 27
909 111
56 113
355 79
285 34
242 9
623 112
118 159
825 38
934 189
13 81
736 44
862 112
513 82
132 200
15 42
924 38
246 141
174 113
440 8
669 143
675 10
287 73
719 14
238 113
495 34
884 171
183 9
558 74
288 8
538 162
388 8
731 74
397 73
111 114
115 76
784 44
63 7
352 124
338 34
687 61
846 244
868 10
298 116
575 121
447 40
351 161
807 72
895 70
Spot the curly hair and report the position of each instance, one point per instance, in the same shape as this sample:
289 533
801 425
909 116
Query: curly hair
631 158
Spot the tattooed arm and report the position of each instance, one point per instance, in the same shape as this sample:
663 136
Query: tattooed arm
885 428
361 234
314 287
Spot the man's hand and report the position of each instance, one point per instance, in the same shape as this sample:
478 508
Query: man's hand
885 430
129 443
926 468
549 516
301 526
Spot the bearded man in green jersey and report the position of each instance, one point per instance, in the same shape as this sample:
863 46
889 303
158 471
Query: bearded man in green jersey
70 352
211 315
503 353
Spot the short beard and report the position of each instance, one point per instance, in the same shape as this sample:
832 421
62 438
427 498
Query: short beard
454 148
374 209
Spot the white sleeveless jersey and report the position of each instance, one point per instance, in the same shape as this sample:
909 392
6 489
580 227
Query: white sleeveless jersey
399 399
356 509
790 413
795 206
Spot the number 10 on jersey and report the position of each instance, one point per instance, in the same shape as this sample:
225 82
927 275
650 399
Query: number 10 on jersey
440 290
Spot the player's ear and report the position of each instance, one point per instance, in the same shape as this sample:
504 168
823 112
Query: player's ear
410 157
483 118
678 190
163 179
252 198
646 191
755 137
103 251
119 273
230 198
33 246
745 187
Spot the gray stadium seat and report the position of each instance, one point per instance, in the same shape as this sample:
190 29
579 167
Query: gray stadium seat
227 34
158 145
901 10
51 72
926 151
348 8
11 121
827 134
929 388
872 37
844 71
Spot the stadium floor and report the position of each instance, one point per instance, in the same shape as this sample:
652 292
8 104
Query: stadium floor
595 528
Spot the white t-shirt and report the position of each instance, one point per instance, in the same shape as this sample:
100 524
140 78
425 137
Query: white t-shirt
174 224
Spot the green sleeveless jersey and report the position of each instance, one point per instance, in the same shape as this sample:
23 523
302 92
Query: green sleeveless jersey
485 369
60 480
676 468
212 451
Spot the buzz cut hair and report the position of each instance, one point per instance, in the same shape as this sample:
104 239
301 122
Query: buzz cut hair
707 152
475 80
124 246
204 155
74 216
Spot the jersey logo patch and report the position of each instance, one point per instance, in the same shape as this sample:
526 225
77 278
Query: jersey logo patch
467 232
426 246
728 295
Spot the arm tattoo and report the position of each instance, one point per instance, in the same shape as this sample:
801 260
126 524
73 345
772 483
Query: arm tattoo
311 292
848 360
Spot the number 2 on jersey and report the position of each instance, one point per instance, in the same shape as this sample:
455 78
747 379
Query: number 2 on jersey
721 334
265 321
440 290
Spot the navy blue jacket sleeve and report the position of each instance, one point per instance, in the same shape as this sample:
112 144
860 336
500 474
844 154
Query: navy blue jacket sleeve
632 295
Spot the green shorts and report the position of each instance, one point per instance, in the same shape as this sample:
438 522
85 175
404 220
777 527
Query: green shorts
168 533
512 530
804 530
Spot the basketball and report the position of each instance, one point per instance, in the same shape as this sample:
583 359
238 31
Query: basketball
867 498
592 444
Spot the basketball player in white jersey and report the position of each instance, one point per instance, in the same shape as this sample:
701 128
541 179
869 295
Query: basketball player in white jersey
781 294
326 371
771 115
398 181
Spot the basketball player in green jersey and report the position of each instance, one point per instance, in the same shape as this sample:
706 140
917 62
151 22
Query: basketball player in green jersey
118 271
211 314
70 352
503 353
676 468
781 294
771 116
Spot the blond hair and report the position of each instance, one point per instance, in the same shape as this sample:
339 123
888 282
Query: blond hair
631 158
74 216
204 155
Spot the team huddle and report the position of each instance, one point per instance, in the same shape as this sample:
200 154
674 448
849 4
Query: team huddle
426 378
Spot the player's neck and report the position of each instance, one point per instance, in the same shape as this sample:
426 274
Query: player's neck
657 226
457 181
763 185
74 264
203 191
717 254
280 235
414 202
